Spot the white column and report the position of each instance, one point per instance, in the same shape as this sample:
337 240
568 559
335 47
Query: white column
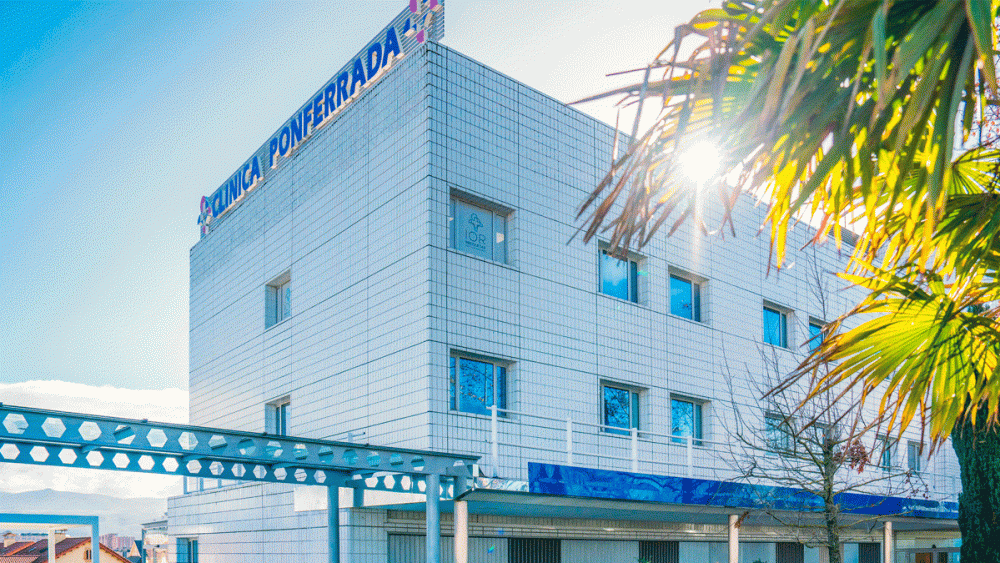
333 523
690 456
52 546
461 531
734 539
433 501
888 543
95 539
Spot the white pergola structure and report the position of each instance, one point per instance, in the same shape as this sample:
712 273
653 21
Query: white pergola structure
66 439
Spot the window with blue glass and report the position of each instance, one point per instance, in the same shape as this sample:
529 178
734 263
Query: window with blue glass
685 297
777 434
187 550
888 446
913 461
620 405
476 384
619 278
278 300
478 230
775 326
815 334
686 420
276 416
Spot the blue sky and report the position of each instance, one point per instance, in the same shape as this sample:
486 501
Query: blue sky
118 117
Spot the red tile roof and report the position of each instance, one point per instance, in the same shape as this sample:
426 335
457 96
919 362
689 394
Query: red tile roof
37 552
14 547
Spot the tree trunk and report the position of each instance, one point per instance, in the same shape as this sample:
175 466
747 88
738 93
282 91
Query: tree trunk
833 534
978 451
831 510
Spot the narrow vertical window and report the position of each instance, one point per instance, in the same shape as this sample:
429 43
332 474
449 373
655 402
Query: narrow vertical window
276 416
685 297
775 327
888 446
277 300
913 450
777 434
815 334
686 421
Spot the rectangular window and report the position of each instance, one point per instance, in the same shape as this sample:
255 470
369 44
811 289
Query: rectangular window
777 434
187 550
479 231
815 334
686 420
476 384
775 327
685 298
888 445
620 405
913 450
277 300
276 414
619 278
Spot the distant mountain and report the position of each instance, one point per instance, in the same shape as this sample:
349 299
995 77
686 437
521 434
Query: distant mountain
123 516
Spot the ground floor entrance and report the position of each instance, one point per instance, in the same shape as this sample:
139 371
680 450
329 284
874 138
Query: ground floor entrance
409 549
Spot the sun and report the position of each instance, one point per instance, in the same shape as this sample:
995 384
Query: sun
700 161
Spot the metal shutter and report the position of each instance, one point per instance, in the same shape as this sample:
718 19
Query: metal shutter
869 553
789 552
533 550
659 551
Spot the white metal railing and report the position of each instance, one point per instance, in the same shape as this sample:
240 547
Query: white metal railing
590 444
518 437
514 438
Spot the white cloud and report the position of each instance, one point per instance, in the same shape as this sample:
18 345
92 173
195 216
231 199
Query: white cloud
161 405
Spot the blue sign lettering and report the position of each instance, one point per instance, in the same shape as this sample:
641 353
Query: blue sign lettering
421 20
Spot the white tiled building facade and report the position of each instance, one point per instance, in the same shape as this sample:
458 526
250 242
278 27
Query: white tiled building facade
427 232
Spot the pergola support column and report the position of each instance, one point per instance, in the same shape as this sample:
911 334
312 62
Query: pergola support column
433 500
461 531
52 545
888 543
734 538
95 540
333 522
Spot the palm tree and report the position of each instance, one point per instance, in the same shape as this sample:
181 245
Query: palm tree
867 115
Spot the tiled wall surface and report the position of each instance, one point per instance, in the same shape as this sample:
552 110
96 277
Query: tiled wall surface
347 218
359 217
542 313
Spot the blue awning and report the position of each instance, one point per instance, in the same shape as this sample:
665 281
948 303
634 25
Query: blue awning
562 480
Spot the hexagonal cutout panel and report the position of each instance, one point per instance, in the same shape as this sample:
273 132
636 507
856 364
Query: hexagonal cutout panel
15 423
53 427
89 431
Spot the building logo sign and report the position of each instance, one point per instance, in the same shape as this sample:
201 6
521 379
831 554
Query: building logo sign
422 20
